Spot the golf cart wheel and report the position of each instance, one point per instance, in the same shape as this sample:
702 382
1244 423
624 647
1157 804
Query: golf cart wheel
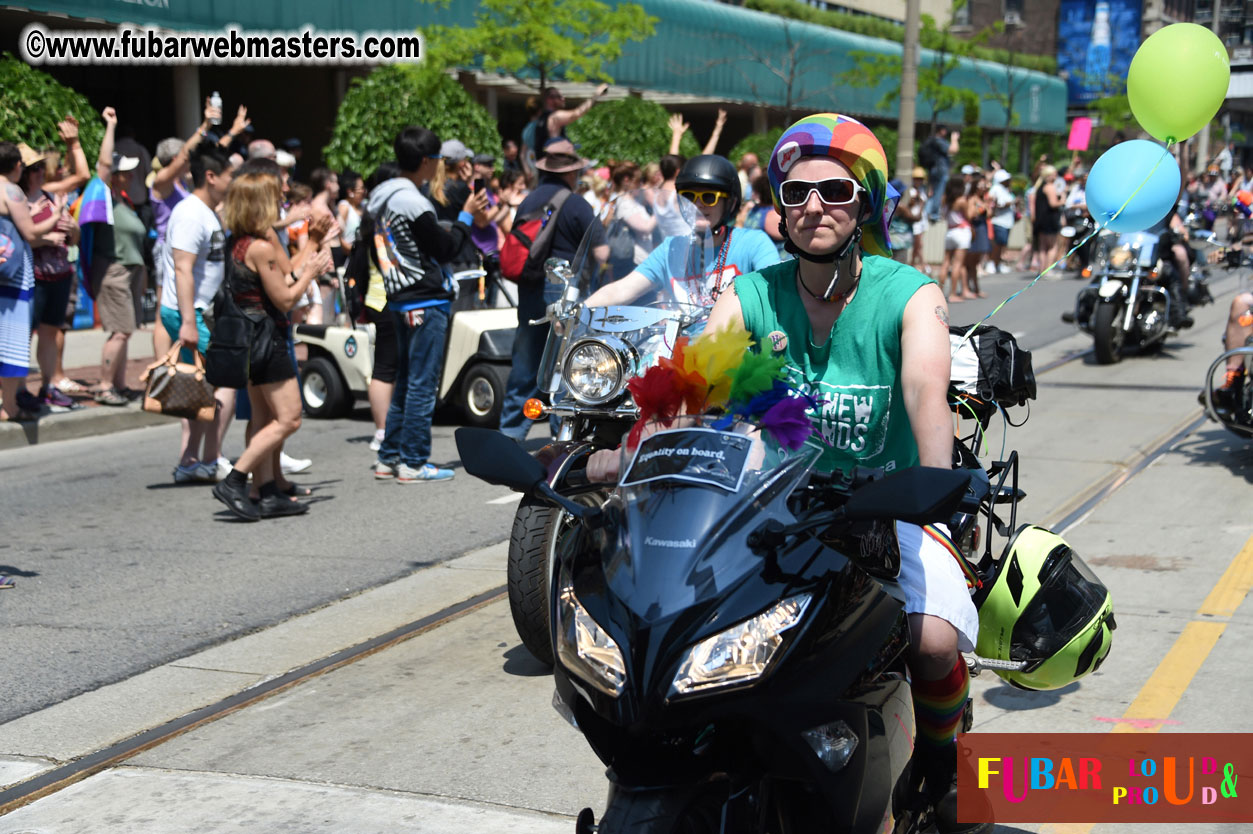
483 394
324 392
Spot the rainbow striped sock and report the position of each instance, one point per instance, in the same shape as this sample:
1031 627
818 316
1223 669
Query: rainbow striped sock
938 705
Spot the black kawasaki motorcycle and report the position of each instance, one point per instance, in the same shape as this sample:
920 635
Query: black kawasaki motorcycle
729 636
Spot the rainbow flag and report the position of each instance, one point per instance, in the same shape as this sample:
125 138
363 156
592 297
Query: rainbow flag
96 203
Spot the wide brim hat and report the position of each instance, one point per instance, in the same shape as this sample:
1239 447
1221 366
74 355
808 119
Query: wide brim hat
560 157
30 156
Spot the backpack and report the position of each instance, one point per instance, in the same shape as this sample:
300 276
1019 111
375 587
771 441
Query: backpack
356 276
991 366
527 245
927 154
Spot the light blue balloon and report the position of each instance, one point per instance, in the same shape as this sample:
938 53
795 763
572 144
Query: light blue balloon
1142 174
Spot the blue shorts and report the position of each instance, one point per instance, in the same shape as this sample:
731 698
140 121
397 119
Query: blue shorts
1000 234
172 320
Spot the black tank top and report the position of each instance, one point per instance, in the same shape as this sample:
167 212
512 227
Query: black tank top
247 287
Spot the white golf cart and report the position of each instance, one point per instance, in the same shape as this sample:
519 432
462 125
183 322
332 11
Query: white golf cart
476 359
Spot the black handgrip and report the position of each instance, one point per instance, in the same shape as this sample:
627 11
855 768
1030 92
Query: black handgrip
576 478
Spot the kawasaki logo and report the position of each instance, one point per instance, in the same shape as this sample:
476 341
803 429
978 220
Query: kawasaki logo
688 543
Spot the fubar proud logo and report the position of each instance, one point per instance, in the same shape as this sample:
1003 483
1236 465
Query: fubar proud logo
1106 777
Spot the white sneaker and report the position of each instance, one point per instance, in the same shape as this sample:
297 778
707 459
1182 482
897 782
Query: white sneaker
384 471
223 468
1005 270
294 466
377 442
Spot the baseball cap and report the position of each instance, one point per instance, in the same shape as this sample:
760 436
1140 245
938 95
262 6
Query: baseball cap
284 159
122 164
969 169
1002 176
920 173
454 151
484 159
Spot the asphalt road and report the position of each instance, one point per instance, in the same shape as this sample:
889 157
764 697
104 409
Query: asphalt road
120 570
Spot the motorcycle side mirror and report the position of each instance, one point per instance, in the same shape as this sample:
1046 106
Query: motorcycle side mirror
490 456
918 495
558 270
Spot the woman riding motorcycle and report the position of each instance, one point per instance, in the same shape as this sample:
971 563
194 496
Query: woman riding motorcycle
867 338
696 274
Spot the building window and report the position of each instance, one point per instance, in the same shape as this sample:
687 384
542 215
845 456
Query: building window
961 14
1013 12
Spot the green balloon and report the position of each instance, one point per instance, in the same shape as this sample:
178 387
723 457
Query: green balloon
1178 80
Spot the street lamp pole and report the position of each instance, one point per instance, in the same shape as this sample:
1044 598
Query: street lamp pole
909 91
1202 142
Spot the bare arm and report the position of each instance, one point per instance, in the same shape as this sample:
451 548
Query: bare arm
163 180
237 127
104 162
78 175
1055 199
623 291
678 127
263 257
185 290
561 118
725 313
925 373
19 213
717 134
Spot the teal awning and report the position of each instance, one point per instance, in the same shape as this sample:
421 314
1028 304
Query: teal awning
700 48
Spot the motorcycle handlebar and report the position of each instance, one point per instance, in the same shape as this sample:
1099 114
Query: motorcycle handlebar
577 478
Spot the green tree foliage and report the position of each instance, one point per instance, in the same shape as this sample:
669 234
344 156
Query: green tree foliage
875 28
395 96
537 40
32 102
761 144
871 68
627 130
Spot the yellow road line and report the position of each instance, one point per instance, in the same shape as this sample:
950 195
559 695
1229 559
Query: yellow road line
1233 587
1165 687
1162 691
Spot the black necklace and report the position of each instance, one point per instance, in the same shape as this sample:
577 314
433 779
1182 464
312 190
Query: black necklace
833 299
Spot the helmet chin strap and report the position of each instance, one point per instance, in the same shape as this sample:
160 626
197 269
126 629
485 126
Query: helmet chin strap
833 257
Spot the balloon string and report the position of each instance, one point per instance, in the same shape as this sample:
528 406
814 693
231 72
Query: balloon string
1100 228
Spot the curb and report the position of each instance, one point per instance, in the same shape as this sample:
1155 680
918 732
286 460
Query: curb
87 422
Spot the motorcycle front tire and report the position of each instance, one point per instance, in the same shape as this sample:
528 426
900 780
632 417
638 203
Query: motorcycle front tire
1108 335
529 546
660 811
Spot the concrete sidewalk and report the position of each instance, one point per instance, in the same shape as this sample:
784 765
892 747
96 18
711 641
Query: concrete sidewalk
82 364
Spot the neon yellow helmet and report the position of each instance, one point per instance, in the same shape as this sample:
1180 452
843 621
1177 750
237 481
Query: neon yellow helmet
1043 605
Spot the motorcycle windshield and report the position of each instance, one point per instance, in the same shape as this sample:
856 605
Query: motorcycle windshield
690 497
628 238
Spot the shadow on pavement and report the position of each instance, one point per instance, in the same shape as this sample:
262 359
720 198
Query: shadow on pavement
1214 445
520 662
1007 697
9 570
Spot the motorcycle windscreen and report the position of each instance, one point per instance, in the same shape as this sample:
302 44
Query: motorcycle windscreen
691 497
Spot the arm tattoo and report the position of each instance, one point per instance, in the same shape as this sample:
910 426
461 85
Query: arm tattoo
942 315
13 192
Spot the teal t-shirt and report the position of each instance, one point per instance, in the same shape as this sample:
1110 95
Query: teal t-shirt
855 375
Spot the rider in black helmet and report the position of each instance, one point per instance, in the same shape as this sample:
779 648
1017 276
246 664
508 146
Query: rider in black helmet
696 267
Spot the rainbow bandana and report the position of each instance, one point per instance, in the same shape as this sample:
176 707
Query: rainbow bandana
848 141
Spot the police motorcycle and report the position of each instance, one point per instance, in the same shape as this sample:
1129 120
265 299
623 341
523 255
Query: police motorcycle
1134 299
590 355
734 651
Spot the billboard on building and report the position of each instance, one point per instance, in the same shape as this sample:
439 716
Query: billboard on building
1096 40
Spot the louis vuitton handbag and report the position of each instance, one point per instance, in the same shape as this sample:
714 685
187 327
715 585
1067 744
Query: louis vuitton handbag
178 389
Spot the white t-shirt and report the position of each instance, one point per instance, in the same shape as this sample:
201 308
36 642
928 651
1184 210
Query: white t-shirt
195 228
1003 198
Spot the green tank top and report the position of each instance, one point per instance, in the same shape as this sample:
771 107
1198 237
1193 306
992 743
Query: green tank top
855 375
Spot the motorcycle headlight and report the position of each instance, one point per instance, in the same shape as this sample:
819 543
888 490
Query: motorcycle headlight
595 370
1121 257
585 648
739 654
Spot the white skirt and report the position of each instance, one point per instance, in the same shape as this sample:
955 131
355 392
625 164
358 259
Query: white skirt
934 584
